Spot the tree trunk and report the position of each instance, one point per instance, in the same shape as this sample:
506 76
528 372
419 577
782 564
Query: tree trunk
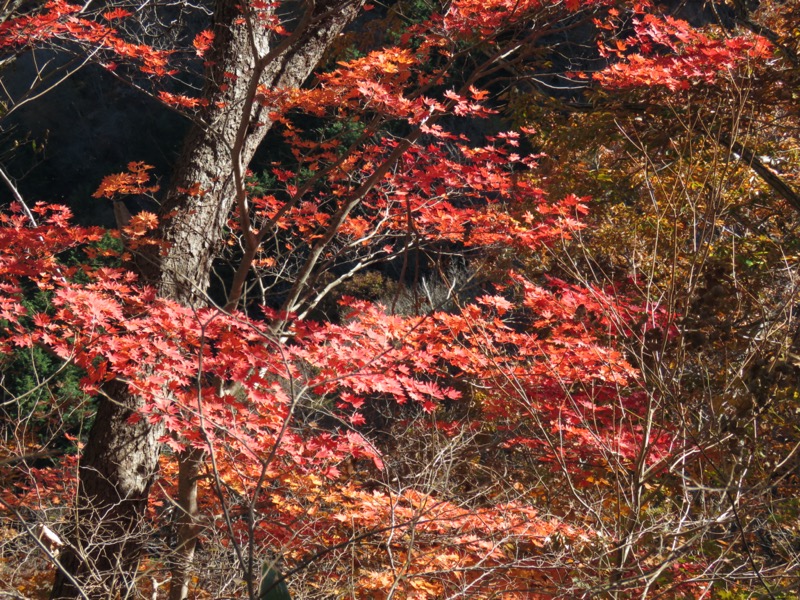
191 463
117 470
120 460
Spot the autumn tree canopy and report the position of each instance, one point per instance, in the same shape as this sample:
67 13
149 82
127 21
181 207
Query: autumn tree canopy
471 299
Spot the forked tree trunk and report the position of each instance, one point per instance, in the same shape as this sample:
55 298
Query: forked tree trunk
120 460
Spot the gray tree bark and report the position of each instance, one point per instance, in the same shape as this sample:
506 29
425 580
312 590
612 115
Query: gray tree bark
120 461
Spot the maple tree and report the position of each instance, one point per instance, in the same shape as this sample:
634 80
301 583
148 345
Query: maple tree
267 423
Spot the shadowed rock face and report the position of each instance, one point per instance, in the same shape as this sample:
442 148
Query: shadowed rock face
87 127
92 124
699 12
